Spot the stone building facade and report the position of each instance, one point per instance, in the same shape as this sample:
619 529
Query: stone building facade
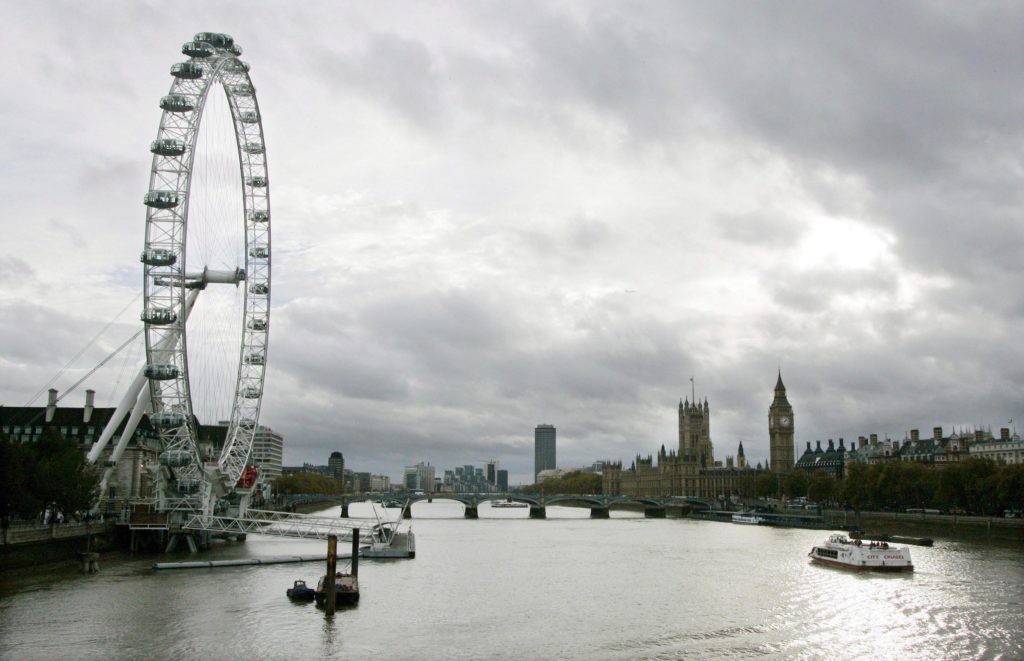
691 468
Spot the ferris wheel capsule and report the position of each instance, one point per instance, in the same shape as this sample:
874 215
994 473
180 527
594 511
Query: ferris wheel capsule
187 70
259 216
175 458
161 372
177 103
248 117
161 199
253 148
197 49
168 147
159 316
167 420
257 182
158 257
188 485
215 39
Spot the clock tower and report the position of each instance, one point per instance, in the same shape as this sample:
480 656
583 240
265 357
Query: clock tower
780 430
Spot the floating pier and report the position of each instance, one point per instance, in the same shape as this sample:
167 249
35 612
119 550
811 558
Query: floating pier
240 562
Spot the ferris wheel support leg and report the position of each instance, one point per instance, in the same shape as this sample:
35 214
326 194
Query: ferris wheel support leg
141 402
134 393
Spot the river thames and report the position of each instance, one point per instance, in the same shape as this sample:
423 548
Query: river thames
506 587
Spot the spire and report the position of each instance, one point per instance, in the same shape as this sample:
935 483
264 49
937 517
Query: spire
780 392
740 453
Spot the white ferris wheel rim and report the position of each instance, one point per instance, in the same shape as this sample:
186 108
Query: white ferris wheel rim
169 291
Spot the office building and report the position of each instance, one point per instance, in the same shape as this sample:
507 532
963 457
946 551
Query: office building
336 465
543 449
267 448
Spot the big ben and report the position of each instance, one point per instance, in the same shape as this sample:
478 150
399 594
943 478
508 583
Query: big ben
780 430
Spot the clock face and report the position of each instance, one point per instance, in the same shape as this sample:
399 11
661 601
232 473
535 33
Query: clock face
785 420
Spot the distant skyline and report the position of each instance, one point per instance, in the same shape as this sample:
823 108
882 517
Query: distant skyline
492 215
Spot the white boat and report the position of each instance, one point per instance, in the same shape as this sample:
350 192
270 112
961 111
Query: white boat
862 555
508 502
748 518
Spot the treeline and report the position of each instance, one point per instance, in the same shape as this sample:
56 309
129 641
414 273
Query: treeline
573 482
975 486
48 473
307 483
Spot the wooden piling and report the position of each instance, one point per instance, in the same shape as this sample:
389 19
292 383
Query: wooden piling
355 553
332 567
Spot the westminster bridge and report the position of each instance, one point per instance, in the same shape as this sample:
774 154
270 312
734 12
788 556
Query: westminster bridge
599 504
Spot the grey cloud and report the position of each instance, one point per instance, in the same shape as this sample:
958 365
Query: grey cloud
395 70
15 272
815 290
770 229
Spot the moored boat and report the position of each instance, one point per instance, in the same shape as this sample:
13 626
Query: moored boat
508 502
861 555
747 518
299 591
346 589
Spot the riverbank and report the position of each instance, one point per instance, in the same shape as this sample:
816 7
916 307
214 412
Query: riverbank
974 528
55 545
930 525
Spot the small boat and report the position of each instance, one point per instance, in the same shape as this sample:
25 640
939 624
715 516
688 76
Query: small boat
346 589
300 592
862 555
508 502
747 518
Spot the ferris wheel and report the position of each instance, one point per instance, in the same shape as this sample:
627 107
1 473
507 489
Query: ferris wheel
207 251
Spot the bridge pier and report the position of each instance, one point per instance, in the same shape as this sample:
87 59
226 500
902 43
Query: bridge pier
599 513
407 511
344 509
471 513
654 513
538 512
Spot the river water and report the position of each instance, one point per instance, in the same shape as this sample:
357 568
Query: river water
507 587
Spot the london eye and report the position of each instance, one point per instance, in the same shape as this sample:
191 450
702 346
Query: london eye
206 277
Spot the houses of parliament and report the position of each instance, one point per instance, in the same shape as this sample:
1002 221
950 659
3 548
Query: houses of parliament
691 469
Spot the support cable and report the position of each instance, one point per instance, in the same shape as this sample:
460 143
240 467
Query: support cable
83 350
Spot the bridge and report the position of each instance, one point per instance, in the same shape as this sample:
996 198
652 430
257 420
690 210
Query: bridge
600 504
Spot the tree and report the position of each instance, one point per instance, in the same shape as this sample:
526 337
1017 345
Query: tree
573 482
795 484
855 490
1010 489
822 487
747 486
767 485
16 497
60 477
307 483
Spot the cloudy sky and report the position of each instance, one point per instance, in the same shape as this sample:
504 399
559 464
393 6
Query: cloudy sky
489 215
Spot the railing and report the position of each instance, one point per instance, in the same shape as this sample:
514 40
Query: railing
281 524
